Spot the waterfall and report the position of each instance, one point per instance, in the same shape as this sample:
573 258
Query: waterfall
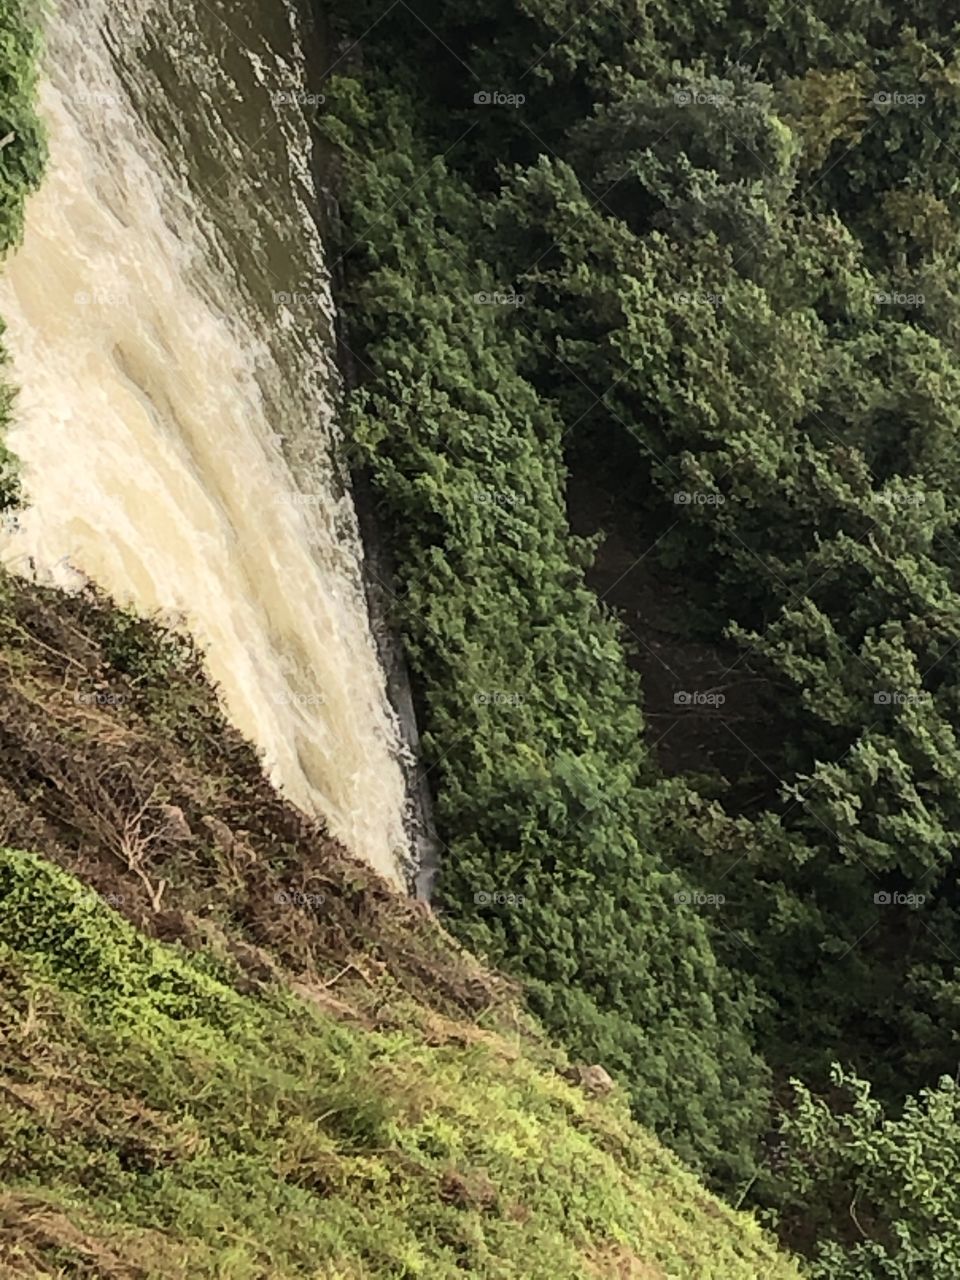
169 321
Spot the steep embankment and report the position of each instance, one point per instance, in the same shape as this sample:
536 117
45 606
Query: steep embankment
229 1050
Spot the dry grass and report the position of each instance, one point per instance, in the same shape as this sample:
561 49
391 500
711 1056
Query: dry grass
156 802
32 1231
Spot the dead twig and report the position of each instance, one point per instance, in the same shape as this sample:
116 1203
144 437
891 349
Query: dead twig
346 969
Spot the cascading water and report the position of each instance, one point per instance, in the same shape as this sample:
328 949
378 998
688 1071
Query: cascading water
169 320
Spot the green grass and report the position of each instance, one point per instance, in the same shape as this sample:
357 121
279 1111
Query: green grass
232 1086
153 1116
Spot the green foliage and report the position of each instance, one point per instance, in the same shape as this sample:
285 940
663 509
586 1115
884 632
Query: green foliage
878 1194
827 556
735 232
21 165
70 935
138 648
532 726
21 159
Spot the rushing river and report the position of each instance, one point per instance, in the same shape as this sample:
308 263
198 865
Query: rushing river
169 319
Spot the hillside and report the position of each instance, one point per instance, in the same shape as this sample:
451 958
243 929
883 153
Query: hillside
648 336
270 1066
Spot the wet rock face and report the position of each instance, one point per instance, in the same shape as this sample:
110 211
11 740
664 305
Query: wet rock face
423 845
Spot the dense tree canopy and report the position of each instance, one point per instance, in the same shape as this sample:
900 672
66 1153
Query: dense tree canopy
716 252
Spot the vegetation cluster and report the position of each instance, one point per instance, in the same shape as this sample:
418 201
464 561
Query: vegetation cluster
704 264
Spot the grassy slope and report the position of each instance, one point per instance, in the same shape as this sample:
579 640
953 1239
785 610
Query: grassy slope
156 1121
234 1086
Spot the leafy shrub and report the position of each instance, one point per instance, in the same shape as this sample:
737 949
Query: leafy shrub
874 1195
